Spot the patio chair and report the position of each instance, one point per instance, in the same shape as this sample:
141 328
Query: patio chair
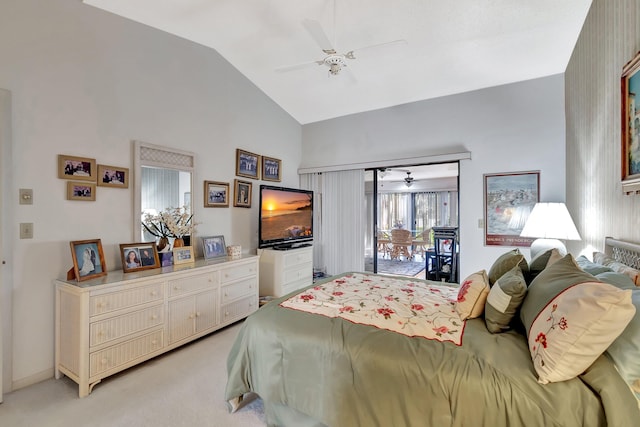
401 244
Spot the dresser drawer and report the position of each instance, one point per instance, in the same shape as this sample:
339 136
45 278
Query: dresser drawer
192 283
298 258
237 272
304 271
293 286
124 353
239 289
105 303
239 309
116 327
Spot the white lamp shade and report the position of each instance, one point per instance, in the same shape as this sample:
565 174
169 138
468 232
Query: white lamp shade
550 221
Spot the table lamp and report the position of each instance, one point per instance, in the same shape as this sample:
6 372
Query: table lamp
549 223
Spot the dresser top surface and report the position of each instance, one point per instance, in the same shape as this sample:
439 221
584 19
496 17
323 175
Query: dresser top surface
116 276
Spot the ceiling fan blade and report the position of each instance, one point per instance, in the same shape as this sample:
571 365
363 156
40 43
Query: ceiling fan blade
298 66
351 53
317 33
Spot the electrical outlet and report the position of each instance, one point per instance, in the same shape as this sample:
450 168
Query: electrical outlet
26 230
481 223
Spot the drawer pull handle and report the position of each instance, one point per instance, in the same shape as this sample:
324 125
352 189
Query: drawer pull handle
154 317
176 288
226 313
104 361
197 314
154 342
154 293
226 295
191 316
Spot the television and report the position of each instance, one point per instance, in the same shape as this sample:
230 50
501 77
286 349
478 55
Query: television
285 218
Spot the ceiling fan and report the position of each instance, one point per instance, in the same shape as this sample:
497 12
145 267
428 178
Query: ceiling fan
333 60
408 181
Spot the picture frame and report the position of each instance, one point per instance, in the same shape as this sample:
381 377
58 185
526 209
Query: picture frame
183 255
166 258
113 176
247 164
76 168
214 247
271 169
216 194
508 200
242 194
83 191
630 150
139 256
88 260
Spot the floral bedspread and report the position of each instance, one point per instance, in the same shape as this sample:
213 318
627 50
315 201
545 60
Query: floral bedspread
413 308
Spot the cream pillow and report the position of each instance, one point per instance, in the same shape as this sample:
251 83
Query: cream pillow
571 318
473 295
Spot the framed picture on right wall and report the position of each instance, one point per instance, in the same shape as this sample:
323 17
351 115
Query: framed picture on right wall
630 152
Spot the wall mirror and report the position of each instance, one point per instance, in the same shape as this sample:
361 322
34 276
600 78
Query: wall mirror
163 178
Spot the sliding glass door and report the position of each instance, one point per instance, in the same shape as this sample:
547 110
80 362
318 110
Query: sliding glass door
413 199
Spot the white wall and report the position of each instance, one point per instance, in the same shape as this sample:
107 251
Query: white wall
86 83
609 39
515 127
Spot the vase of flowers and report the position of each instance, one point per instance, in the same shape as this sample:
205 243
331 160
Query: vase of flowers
173 223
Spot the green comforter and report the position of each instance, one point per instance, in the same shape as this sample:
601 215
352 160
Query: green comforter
328 371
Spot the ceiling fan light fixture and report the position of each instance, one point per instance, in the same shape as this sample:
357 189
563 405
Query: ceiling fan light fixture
408 181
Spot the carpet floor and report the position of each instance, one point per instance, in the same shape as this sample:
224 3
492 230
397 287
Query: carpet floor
397 267
181 388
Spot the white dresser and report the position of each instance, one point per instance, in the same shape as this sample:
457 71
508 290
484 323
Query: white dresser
114 322
282 272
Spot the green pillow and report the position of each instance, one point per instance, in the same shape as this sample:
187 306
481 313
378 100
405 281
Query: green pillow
548 284
504 300
591 267
506 262
540 262
625 350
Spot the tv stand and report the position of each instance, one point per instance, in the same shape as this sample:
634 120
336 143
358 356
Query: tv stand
284 271
289 246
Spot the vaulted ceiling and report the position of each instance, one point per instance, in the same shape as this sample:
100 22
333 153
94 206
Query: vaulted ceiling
441 47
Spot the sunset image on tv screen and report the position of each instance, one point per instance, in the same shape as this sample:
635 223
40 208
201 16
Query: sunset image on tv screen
286 214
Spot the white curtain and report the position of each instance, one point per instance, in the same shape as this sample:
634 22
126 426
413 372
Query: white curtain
342 220
313 181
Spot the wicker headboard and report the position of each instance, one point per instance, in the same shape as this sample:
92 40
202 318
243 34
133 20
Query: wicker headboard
625 252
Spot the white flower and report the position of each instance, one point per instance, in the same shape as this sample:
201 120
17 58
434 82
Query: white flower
172 222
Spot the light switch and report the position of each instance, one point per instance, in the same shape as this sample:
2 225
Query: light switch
26 230
26 196
481 223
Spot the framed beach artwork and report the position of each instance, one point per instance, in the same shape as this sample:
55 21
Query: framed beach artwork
508 200
630 152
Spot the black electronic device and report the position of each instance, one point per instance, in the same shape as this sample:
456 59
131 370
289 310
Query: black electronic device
286 217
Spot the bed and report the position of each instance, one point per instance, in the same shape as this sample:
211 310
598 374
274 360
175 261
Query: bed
325 356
